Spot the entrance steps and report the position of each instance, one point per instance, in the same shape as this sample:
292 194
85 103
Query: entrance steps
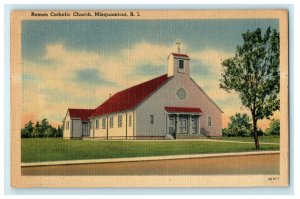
190 136
169 137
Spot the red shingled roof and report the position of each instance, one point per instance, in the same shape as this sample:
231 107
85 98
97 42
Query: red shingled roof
182 109
131 97
83 114
179 55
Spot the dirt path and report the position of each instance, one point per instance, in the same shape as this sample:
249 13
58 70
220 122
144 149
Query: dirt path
249 164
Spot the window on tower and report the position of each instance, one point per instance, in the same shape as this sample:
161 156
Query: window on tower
181 64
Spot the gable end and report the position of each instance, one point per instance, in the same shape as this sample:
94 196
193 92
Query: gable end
206 95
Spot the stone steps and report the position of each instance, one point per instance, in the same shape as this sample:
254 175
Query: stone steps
190 136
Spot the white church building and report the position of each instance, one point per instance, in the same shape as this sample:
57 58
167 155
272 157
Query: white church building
171 106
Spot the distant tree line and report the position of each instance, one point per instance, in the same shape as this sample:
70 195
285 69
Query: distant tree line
41 129
240 125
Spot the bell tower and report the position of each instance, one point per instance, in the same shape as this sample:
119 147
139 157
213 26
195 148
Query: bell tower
178 64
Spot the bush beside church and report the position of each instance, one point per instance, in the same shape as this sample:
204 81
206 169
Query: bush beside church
240 126
40 129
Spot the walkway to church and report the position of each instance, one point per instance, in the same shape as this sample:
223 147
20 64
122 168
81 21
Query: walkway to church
228 165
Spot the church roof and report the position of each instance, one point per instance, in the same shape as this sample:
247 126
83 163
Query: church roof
182 109
83 114
131 97
180 55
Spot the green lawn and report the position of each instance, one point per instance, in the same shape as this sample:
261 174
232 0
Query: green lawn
55 149
262 139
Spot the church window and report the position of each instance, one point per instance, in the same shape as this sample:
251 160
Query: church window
67 125
181 64
111 122
209 121
194 123
97 124
151 119
181 93
104 123
119 120
129 122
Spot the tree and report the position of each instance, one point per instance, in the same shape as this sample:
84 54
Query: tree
253 73
59 132
44 126
26 132
274 128
50 132
41 129
239 126
36 130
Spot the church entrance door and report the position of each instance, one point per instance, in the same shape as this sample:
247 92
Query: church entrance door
183 125
172 125
85 130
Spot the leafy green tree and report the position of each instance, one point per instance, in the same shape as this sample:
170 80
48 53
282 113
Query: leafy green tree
274 128
253 73
41 129
59 132
260 132
44 126
239 126
36 130
50 132
26 132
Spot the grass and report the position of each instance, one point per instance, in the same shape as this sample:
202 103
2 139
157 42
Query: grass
55 149
262 139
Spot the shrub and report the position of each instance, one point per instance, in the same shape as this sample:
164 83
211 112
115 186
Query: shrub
239 126
274 128
43 129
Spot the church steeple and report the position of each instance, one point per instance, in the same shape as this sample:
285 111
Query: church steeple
178 48
178 64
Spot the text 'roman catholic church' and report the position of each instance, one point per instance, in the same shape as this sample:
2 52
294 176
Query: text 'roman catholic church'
171 106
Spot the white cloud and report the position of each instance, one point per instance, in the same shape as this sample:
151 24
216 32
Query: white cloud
211 57
59 70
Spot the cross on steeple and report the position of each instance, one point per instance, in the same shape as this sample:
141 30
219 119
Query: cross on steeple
178 48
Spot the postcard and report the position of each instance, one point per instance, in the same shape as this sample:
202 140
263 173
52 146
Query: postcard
149 98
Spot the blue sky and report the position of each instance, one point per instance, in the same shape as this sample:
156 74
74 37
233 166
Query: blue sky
107 36
79 63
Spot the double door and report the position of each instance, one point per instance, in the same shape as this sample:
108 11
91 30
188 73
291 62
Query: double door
183 124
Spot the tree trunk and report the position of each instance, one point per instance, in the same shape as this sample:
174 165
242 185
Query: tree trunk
255 132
